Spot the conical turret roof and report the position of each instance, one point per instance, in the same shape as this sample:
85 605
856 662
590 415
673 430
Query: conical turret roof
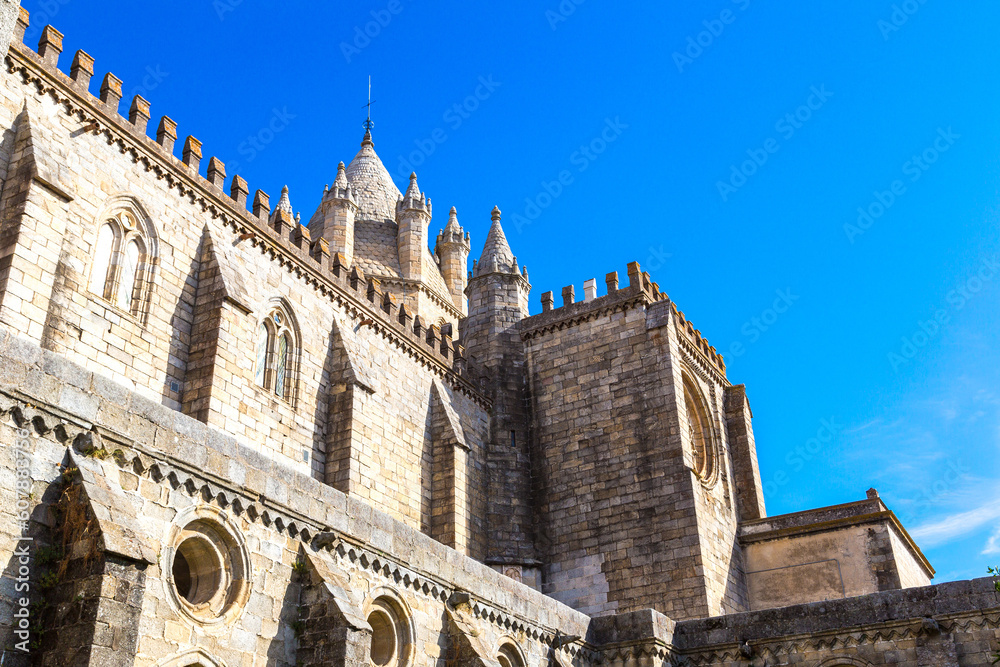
284 204
374 191
496 251
453 227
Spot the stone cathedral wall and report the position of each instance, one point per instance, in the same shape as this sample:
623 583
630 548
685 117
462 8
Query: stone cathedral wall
360 410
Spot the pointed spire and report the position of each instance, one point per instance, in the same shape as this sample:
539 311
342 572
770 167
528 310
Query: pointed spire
453 227
285 204
414 189
496 256
341 181
367 140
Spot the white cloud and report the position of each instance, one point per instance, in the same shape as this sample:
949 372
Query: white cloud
957 525
993 544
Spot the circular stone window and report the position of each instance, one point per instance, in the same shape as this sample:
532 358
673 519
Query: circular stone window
207 567
197 570
391 641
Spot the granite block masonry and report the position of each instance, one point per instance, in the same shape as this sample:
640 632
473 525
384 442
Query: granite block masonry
237 439
9 11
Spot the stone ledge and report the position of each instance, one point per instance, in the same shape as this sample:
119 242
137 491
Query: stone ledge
807 518
911 605
835 517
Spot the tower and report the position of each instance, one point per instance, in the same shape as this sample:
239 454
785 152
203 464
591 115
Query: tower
334 219
452 249
413 215
498 302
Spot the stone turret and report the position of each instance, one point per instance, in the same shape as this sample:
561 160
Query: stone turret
498 302
452 248
413 216
334 219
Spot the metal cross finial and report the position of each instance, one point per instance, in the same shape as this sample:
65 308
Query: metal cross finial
368 123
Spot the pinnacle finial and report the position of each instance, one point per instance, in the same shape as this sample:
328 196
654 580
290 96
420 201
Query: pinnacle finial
284 204
414 189
496 214
341 180
453 227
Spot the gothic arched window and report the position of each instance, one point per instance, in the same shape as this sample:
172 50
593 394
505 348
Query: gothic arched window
276 352
700 432
122 264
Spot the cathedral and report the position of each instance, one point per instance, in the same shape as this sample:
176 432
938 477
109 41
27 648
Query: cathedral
239 434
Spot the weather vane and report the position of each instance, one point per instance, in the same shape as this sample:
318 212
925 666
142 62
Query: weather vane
368 123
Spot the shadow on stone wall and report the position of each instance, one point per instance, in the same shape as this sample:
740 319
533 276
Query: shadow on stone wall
181 324
282 648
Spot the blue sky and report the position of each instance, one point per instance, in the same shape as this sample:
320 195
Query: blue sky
834 161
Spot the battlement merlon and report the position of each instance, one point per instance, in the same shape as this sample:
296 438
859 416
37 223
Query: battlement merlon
312 261
641 290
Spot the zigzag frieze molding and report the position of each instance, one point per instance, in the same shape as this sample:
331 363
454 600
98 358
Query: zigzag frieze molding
151 465
642 652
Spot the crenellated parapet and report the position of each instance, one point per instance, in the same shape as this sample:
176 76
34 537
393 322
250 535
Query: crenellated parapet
641 290
276 234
